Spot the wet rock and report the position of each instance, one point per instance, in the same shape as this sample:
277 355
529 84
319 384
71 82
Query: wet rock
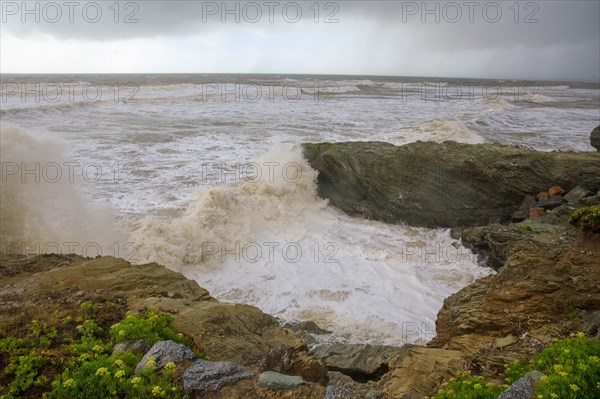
202 376
555 190
138 347
307 326
441 184
577 193
523 212
164 352
279 382
595 138
361 362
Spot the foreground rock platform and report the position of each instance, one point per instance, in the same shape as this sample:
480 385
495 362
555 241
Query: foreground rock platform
442 184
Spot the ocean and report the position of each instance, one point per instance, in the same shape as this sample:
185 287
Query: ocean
204 174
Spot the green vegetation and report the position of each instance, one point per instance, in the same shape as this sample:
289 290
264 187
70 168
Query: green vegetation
571 369
71 361
466 386
586 219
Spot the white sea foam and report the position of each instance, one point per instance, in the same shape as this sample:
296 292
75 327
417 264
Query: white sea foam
274 244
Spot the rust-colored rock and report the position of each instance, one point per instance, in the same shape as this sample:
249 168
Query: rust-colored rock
556 190
536 213
542 196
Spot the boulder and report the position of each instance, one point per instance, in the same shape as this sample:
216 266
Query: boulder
441 184
138 347
524 210
520 389
553 202
537 212
361 362
295 361
555 190
577 193
418 371
164 352
595 138
542 196
279 382
202 376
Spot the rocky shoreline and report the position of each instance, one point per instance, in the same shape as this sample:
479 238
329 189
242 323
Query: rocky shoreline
547 284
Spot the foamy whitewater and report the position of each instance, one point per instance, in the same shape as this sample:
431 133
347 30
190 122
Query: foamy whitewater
205 175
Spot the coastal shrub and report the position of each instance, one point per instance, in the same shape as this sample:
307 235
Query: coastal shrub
586 219
466 386
571 369
151 327
72 358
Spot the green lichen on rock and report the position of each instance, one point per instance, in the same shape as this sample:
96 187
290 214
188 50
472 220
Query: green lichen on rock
586 219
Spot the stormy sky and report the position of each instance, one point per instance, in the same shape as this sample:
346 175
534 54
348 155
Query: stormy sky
542 40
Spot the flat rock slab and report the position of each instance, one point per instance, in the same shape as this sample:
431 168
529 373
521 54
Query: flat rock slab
279 382
202 376
164 352
359 361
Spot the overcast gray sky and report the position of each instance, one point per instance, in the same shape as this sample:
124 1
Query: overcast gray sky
552 40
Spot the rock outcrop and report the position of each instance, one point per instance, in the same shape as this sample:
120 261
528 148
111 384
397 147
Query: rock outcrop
221 331
547 285
595 138
442 185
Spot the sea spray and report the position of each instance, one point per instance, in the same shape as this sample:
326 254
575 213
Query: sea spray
43 209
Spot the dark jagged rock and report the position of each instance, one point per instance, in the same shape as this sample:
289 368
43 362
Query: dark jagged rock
361 362
553 202
577 193
552 231
595 138
524 209
442 185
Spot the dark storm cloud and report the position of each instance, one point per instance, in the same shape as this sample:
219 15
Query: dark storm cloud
560 38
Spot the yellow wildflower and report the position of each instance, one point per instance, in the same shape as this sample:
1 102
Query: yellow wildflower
68 383
156 391
136 380
150 362
102 371
120 374
170 366
574 387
